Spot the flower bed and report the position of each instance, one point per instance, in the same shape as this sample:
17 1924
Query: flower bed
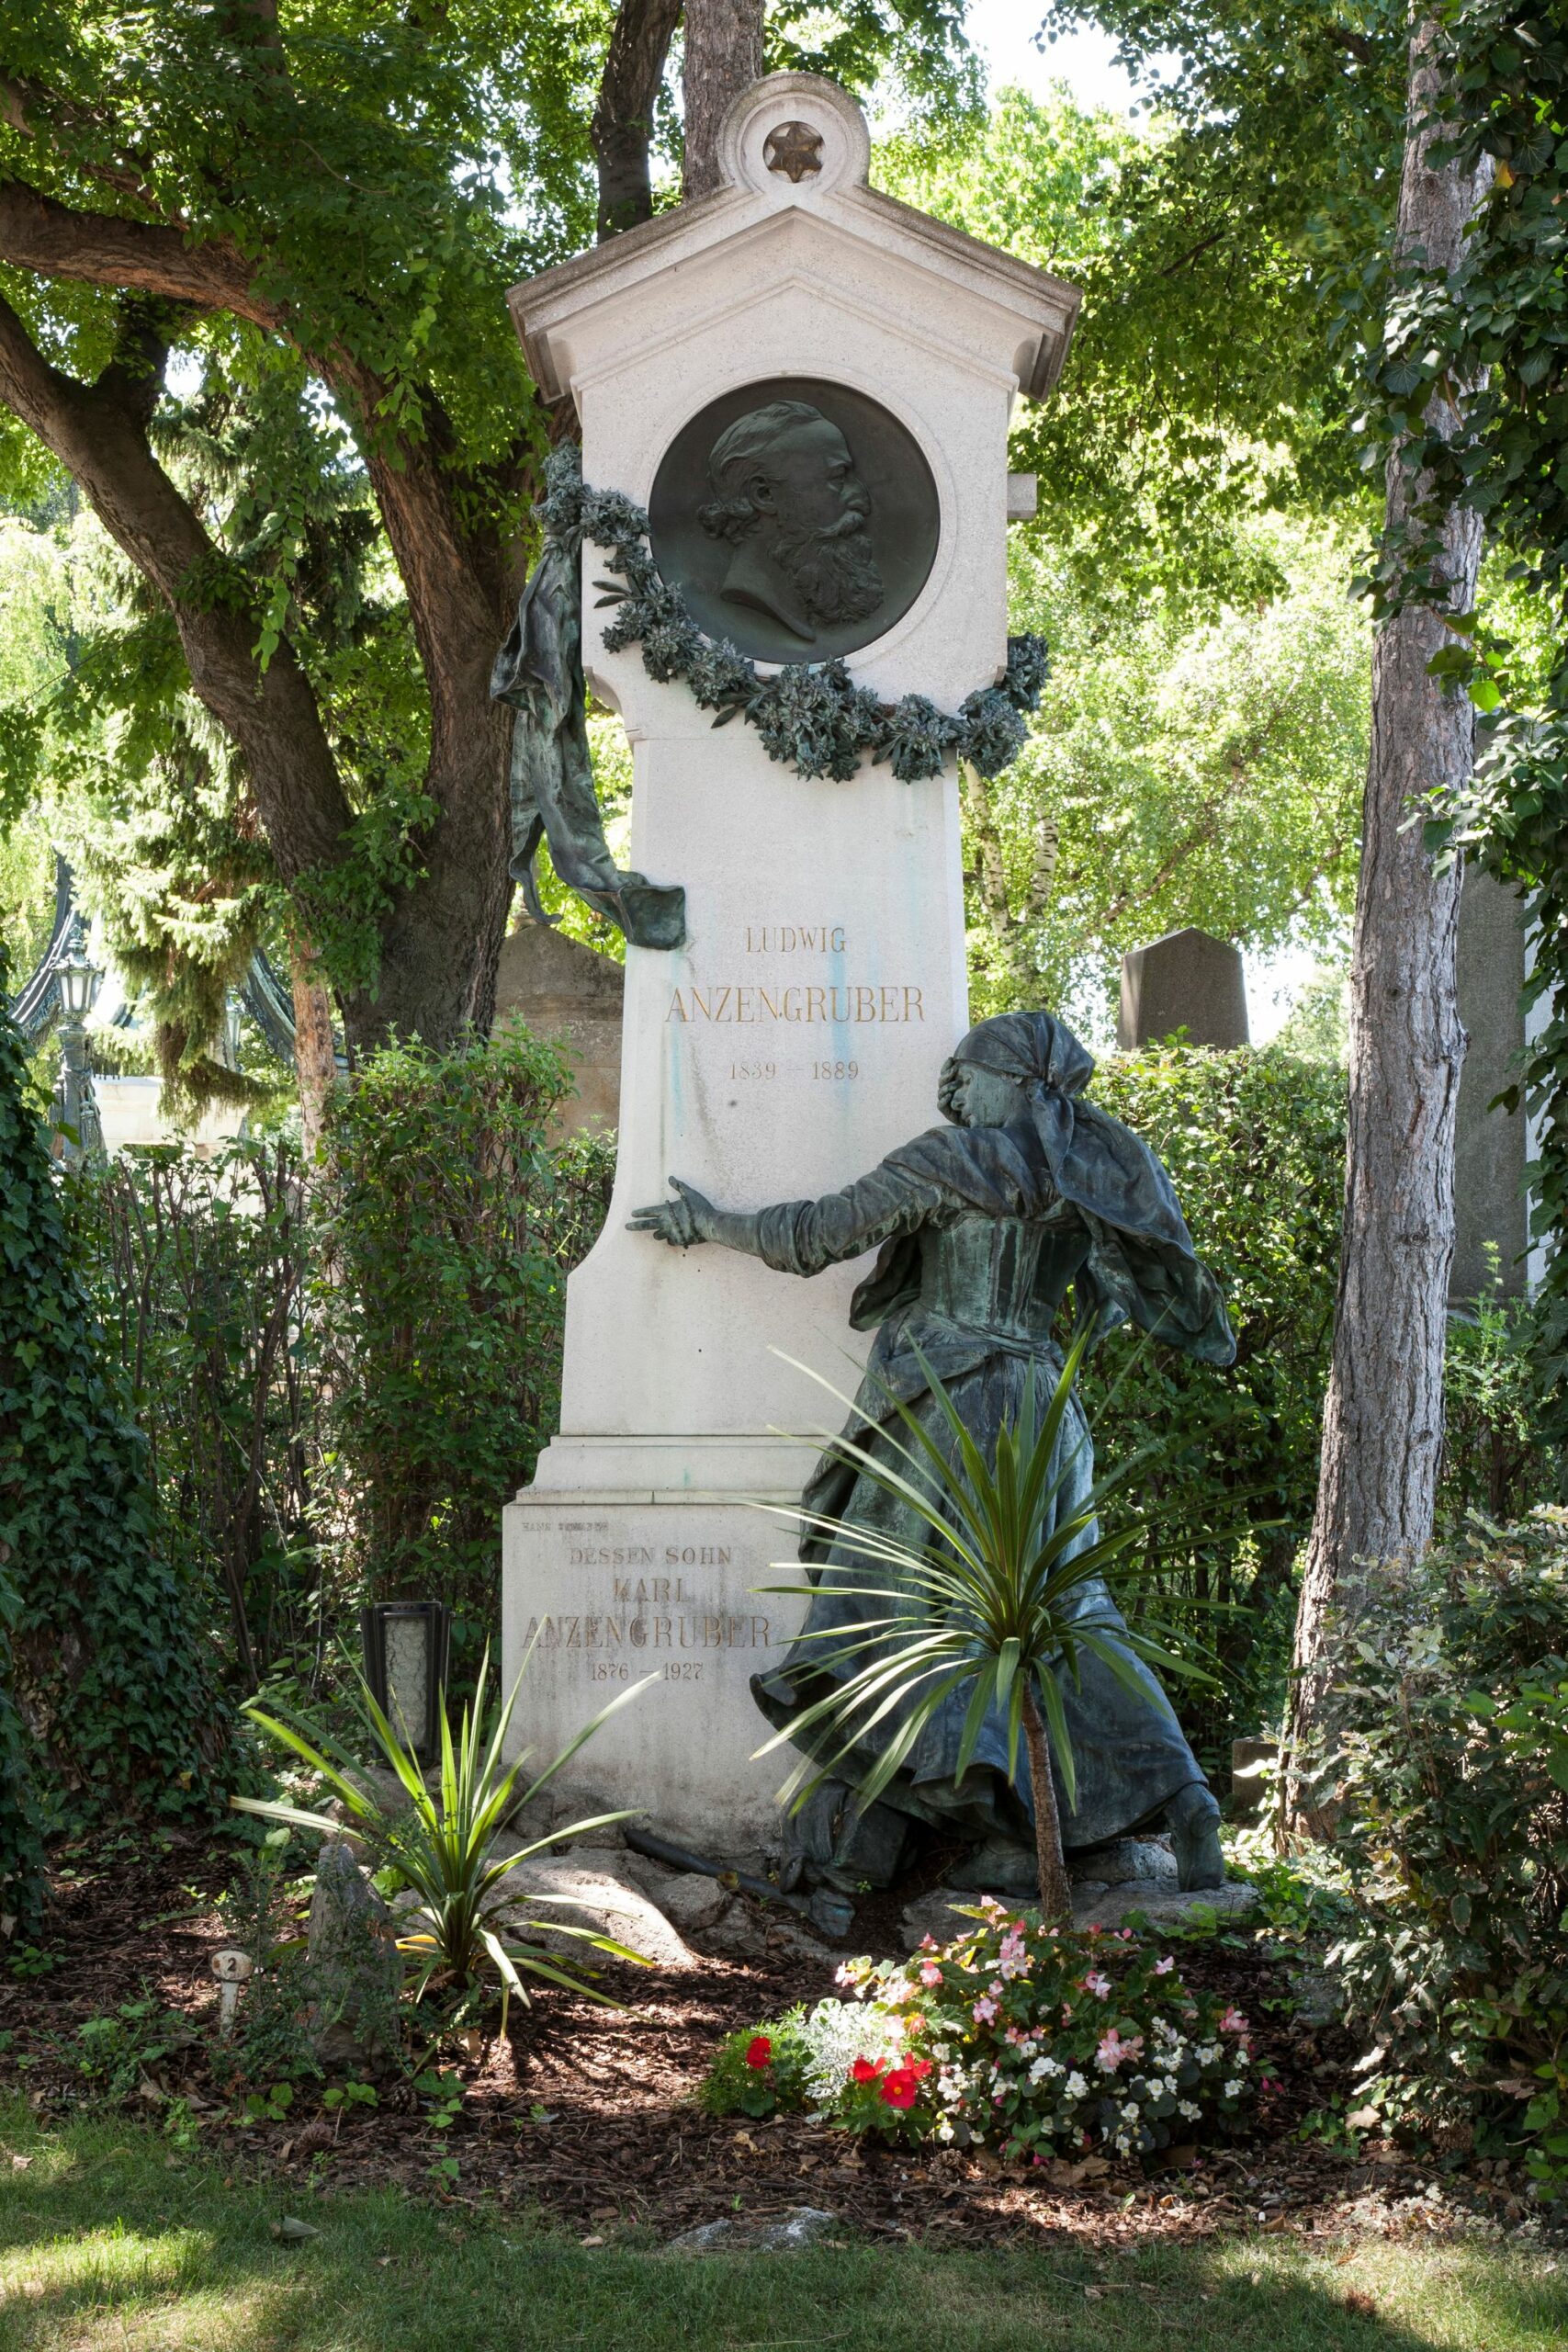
1033 2041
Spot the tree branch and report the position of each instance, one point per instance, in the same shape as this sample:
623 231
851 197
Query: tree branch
99 433
623 117
54 240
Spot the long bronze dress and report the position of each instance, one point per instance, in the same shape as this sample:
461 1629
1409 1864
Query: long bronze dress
983 1230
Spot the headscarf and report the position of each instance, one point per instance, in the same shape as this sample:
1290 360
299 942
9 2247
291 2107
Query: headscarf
1096 1162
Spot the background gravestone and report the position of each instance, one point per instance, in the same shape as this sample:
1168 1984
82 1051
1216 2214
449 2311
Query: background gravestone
795 324
570 994
1186 980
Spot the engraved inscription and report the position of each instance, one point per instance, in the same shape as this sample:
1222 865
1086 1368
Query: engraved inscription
849 1006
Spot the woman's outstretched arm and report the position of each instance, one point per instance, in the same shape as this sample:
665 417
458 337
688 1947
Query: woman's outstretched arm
800 1236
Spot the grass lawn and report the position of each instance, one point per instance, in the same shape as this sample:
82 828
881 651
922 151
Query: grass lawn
107 2242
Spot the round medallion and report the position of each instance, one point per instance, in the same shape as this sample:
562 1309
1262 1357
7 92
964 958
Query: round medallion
799 519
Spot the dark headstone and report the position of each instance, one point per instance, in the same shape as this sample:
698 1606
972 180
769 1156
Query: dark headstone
1186 980
571 995
1489 1146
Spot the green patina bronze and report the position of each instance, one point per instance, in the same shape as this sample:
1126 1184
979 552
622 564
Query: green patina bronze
982 1226
809 716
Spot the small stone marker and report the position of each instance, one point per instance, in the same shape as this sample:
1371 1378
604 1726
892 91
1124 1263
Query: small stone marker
1186 980
787 2233
808 387
232 1968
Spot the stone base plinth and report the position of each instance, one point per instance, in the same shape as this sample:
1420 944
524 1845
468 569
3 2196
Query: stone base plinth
620 1589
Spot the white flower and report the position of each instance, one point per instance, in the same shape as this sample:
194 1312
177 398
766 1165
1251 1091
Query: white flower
1234 2087
1170 2086
945 2129
1044 2066
1076 2086
1190 2109
1130 2111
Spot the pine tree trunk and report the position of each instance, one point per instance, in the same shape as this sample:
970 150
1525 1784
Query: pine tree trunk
1384 1418
724 56
1055 1890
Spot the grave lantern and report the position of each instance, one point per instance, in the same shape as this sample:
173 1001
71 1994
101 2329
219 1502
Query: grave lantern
405 1664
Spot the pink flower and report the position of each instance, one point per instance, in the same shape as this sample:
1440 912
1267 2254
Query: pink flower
1012 2035
927 1943
1113 2049
1098 1985
985 2011
1163 1967
1233 2023
930 1972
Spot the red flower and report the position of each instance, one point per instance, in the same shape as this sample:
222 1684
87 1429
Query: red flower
759 2050
919 2067
865 2070
899 2090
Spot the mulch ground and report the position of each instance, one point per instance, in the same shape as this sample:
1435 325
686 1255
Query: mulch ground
589 2115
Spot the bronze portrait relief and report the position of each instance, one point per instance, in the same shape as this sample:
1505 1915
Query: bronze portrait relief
798 518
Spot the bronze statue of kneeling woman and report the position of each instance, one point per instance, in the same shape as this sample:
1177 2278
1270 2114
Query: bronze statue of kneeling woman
982 1226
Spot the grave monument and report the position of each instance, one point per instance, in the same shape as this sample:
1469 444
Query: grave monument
808 387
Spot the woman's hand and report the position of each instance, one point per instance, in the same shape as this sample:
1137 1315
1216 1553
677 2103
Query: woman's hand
681 1223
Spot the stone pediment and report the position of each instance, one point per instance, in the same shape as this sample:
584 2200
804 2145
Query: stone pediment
795 209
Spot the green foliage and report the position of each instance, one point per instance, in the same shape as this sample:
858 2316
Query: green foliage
21 1852
117 1685
448 1224
115 2054
1449 1754
1187 765
1255 1143
197 1271
441 1843
1041 2042
1495 1460
271 2042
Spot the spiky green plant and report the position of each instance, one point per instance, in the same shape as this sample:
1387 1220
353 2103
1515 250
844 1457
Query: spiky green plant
990 1601
441 1843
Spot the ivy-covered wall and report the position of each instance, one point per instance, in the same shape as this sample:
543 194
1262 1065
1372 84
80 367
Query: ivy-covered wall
115 1682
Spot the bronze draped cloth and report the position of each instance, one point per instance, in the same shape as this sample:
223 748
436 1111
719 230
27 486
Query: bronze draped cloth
981 1230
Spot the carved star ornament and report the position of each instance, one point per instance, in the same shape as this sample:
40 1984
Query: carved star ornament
794 148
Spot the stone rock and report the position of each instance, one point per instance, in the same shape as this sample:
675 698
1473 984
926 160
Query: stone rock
1319 1996
1125 1859
1163 1907
357 1967
599 1893
761 1932
1186 980
786 2232
1490 1146
941 1914
689 1900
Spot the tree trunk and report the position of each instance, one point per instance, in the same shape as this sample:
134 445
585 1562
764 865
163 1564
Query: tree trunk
315 1060
1384 1418
724 56
623 119
1055 1889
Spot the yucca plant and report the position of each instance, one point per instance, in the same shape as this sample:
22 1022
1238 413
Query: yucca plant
442 1842
988 1600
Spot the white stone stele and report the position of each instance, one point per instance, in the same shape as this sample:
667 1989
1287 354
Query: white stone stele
798 1035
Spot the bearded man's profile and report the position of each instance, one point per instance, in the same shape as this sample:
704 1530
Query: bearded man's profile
789 503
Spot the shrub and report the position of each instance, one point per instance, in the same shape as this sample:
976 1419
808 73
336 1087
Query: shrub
1255 1143
448 1226
113 1679
1494 1459
197 1270
1040 2041
1450 1731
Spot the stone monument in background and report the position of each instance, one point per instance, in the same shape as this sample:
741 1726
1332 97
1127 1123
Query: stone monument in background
571 995
1186 980
1491 1146
809 386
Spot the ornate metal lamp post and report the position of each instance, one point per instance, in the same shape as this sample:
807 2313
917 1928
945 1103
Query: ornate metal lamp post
75 1108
